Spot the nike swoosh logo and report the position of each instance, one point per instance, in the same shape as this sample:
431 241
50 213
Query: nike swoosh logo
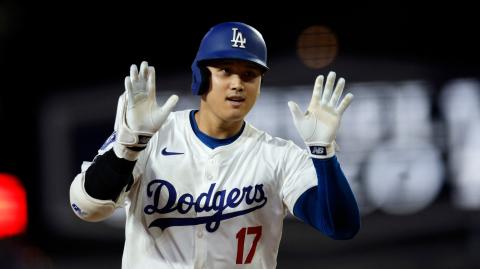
167 153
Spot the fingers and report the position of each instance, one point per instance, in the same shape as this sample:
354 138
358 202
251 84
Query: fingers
129 89
170 103
120 107
133 73
317 91
329 98
151 82
295 110
159 114
144 70
142 75
327 92
345 103
337 93
139 82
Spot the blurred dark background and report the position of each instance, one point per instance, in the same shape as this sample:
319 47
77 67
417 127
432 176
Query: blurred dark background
52 49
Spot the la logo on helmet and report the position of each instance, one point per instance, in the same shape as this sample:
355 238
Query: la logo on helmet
238 38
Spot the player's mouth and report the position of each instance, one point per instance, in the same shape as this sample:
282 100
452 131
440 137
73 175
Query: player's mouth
235 100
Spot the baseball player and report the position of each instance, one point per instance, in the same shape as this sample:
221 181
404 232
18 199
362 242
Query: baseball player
205 189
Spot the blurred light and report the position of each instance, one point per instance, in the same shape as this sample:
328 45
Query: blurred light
13 206
460 104
404 173
317 46
404 178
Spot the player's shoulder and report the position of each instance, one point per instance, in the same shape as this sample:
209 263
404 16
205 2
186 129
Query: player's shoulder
176 118
277 147
180 115
268 139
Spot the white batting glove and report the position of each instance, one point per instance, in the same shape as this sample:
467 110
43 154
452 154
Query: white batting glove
319 124
138 115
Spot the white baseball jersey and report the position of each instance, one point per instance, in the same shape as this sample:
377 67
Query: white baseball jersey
195 207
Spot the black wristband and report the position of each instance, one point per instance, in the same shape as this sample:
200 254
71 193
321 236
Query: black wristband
119 165
108 175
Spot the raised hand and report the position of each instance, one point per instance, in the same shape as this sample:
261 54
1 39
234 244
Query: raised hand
319 124
139 116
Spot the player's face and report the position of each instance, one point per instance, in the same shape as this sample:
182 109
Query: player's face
234 87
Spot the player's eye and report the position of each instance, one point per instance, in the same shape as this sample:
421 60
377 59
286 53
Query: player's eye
249 75
226 70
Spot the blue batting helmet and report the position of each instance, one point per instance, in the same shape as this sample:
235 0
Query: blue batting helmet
228 40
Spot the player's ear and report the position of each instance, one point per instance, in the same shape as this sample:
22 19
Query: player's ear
207 88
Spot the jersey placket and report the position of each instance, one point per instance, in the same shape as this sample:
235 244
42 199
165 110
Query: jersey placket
209 177
200 247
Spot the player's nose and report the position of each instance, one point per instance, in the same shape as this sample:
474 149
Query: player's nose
236 82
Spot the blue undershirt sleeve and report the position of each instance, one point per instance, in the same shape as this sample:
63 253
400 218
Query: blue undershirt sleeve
329 207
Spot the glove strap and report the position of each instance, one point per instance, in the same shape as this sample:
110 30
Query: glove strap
321 150
124 152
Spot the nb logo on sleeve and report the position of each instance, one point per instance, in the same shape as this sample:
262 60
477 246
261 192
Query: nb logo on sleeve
238 38
318 150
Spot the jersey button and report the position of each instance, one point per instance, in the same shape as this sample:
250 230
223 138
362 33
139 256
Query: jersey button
199 234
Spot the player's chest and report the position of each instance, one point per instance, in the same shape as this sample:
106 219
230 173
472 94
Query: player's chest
192 171
186 185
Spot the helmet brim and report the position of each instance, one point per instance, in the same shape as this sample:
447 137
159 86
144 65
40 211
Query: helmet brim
237 56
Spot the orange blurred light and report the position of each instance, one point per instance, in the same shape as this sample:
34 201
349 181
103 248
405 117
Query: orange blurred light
13 206
317 46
